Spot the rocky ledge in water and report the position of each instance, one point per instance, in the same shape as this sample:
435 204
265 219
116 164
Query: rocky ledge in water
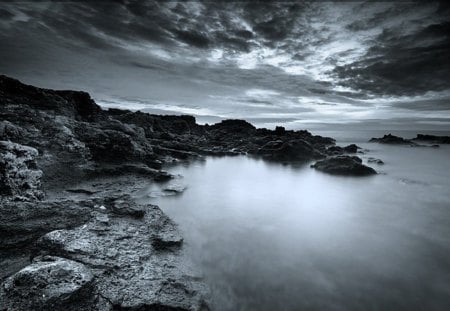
393 140
72 236
344 165
432 139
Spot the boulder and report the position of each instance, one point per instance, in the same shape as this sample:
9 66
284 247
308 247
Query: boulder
344 165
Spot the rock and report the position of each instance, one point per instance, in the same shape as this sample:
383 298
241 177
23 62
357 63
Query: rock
136 261
433 139
50 283
125 206
351 148
233 125
19 176
376 161
294 150
344 165
280 130
22 223
391 139
175 188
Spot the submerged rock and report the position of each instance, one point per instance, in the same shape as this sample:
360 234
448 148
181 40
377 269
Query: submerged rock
344 165
50 283
374 160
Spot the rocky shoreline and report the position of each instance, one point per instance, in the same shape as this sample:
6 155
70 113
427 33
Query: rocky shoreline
72 235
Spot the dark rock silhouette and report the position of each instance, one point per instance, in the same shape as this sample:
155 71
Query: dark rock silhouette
344 165
432 139
392 139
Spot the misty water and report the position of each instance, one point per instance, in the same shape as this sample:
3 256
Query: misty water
270 236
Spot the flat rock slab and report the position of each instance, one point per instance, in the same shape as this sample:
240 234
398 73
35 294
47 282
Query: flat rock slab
51 283
138 261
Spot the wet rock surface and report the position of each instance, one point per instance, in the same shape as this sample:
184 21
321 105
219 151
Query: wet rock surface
344 165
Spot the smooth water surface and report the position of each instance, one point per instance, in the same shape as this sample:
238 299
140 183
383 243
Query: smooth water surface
280 237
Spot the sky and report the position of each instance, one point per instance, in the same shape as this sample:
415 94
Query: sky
299 64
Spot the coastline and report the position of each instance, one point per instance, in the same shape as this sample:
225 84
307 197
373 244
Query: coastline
58 146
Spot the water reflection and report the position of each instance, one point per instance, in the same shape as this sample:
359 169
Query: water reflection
279 237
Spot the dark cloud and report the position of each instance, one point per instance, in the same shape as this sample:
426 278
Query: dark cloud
211 52
402 64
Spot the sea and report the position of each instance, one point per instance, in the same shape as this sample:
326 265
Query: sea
270 236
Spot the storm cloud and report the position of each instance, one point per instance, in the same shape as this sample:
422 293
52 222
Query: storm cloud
291 61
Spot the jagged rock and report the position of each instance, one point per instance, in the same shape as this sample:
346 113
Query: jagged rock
343 165
50 283
19 176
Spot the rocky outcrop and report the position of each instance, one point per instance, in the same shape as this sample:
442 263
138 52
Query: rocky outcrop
433 139
393 140
294 150
344 165
19 176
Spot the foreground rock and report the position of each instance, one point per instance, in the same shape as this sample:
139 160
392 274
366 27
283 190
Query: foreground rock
50 283
344 165
137 259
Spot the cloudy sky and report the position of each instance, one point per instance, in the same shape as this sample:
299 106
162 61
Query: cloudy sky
296 63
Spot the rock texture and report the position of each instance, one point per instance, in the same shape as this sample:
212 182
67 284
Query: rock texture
49 283
344 165
19 175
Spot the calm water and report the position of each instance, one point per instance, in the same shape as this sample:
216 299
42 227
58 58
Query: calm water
280 237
